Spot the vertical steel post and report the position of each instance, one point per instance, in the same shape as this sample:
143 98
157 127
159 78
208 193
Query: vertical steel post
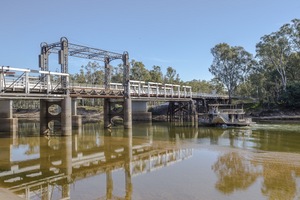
107 80
63 61
107 73
44 62
127 99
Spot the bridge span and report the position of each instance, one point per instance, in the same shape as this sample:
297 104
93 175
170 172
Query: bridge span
127 100
46 86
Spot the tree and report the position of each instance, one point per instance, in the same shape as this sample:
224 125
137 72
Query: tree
274 51
156 74
200 86
231 65
117 74
171 76
294 28
139 72
91 73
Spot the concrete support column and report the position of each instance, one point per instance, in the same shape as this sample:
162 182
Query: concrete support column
106 113
76 119
127 113
8 123
66 116
140 111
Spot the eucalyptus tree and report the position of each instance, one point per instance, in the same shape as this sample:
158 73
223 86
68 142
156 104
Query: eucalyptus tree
117 74
92 73
171 76
156 74
139 72
294 28
231 65
274 51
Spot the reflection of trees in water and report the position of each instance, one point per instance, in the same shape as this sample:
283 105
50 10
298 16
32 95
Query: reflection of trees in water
234 173
279 180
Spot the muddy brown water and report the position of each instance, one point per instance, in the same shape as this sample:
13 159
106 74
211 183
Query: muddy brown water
153 161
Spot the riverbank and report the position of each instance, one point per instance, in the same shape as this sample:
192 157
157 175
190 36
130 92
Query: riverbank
274 115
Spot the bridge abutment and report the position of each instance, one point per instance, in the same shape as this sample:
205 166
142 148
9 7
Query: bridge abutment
8 123
140 111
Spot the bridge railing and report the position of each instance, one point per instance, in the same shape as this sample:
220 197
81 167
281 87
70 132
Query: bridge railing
153 89
29 81
208 95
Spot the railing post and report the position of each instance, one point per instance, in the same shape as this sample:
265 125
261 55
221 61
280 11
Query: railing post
2 86
165 90
48 83
139 92
149 89
27 89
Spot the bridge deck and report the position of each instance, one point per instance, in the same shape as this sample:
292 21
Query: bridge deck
16 83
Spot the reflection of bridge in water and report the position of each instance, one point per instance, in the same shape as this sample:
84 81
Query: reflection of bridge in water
52 165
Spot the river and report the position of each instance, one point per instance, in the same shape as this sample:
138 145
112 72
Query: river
153 161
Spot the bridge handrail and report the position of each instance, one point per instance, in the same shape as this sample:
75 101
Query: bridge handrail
26 81
209 95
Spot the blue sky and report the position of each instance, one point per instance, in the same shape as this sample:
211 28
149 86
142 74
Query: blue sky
176 33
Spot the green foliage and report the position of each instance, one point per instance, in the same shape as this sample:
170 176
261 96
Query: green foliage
117 74
139 72
156 74
171 76
92 73
203 86
231 65
291 97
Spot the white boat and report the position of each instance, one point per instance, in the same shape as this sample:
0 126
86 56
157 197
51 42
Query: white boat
224 114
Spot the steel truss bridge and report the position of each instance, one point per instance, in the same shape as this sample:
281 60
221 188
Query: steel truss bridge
48 86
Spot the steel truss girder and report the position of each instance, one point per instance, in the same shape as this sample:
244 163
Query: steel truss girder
80 51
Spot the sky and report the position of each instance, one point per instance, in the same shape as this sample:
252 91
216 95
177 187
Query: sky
176 33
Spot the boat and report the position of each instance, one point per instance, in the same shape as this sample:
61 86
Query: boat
224 115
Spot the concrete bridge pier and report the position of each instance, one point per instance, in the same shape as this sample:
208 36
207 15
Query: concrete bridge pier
140 111
111 111
76 119
66 116
8 123
52 119
127 113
